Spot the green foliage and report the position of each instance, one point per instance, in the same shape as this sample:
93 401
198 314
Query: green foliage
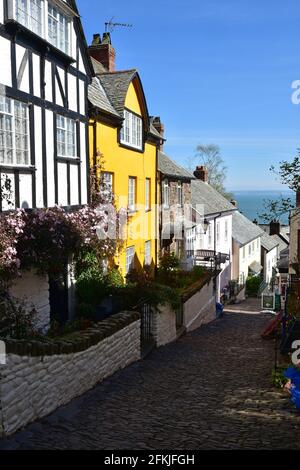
210 157
278 379
16 321
168 262
252 285
57 330
289 174
275 210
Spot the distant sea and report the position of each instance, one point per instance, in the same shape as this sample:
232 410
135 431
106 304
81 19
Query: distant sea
251 203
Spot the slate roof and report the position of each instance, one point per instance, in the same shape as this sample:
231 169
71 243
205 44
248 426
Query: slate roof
243 230
98 97
170 168
268 242
116 86
98 67
283 245
206 195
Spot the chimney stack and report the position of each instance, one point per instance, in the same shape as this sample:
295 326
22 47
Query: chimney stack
298 197
274 228
201 173
156 122
234 203
103 51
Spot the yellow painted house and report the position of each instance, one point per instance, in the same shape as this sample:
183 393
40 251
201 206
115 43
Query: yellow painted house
121 131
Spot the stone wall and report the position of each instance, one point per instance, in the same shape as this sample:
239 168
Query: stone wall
33 384
200 308
33 290
164 325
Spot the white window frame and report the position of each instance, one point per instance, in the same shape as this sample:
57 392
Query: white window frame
44 25
132 193
107 180
218 233
147 255
129 261
131 133
61 14
147 194
166 193
209 235
14 149
64 130
28 15
179 193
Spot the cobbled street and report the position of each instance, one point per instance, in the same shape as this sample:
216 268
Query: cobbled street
209 390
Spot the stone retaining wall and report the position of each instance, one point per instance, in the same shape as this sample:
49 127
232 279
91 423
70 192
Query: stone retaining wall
199 308
42 376
164 325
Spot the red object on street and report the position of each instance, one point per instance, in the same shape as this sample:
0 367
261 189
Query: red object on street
272 327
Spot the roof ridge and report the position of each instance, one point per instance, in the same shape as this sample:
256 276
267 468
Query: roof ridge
117 71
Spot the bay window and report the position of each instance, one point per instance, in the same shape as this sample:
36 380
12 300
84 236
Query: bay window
66 137
14 132
58 29
30 14
132 130
45 19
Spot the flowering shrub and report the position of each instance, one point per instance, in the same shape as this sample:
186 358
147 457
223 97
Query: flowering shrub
11 229
51 236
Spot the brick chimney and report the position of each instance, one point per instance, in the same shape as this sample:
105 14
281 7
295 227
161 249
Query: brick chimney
298 198
274 228
201 173
103 51
156 122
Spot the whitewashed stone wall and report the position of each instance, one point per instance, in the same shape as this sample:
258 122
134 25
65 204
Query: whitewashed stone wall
200 308
164 325
33 387
34 291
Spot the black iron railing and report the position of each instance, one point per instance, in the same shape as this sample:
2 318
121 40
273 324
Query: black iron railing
147 338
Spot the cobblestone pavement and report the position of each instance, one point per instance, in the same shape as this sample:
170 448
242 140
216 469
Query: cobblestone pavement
209 390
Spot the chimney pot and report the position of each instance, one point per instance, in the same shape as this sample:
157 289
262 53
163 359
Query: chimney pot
156 122
201 173
274 228
103 51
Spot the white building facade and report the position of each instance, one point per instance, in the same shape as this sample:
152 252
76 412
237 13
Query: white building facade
212 232
44 77
246 248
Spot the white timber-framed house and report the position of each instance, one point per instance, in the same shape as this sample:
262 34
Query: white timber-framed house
44 76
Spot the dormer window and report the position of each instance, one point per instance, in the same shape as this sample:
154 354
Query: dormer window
132 130
45 19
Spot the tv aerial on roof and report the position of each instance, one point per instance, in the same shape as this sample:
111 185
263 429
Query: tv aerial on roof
111 25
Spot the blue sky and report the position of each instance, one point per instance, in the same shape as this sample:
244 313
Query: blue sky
216 71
